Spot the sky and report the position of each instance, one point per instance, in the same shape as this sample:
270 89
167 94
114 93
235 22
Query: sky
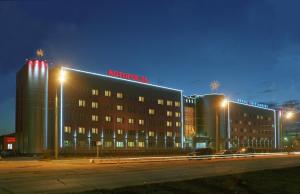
251 47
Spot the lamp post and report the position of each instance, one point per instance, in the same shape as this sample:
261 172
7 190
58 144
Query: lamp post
61 79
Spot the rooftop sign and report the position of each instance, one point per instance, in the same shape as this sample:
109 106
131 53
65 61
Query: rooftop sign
129 76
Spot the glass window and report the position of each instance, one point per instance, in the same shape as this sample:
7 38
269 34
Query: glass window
94 117
108 118
119 107
107 93
169 113
119 120
130 120
160 101
81 103
81 130
151 133
169 123
141 99
95 92
177 114
119 95
141 122
178 124
119 144
141 144
169 103
169 133
130 144
177 103
107 144
94 104
151 111
67 129
120 132
95 130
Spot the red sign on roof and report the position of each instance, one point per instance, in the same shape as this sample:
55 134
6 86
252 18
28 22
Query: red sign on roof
129 76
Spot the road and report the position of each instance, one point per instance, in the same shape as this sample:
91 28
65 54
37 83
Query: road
62 176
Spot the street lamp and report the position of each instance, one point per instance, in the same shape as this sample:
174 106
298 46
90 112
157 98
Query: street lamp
224 105
289 115
61 79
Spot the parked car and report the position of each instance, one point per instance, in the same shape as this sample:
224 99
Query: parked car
202 151
245 150
224 152
7 153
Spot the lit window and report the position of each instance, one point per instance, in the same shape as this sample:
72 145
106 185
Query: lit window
249 122
141 144
81 103
141 99
107 144
169 123
95 118
177 145
95 130
119 120
107 93
245 114
178 124
95 92
241 122
169 133
177 104
141 122
119 144
108 118
261 117
151 133
119 107
160 101
94 104
119 95
130 144
120 132
67 129
10 146
151 111
177 114
81 130
169 103
169 113
130 120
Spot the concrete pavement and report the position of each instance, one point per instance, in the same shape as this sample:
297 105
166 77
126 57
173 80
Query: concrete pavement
63 176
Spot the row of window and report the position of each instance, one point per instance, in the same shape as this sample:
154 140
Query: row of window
121 144
81 130
119 95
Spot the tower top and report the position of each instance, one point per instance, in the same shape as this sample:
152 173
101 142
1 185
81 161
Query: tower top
39 53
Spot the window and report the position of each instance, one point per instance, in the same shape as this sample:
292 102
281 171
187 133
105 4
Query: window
119 120
81 130
130 144
95 92
160 101
119 107
94 104
169 133
119 95
141 122
94 117
245 114
107 144
81 103
169 103
169 123
120 132
108 118
107 93
10 146
151 133
141 99
141 144
67 129
94 130
169 113
130 120
177 104
151 111
178 124
177 114
119 144
177 145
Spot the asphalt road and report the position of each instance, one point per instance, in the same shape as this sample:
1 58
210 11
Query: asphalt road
63 176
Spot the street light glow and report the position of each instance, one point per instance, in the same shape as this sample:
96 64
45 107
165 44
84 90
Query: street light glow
289 115
62 76
224 103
